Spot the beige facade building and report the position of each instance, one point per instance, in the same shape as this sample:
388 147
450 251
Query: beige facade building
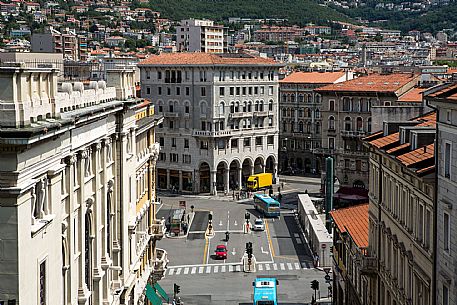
73 46
77 190
301 121
352 109
220 118
194 35
401 209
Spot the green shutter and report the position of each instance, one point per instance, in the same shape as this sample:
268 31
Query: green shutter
152 296
161 292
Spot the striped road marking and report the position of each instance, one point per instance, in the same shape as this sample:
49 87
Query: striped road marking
186 270
283 267
178 271
297 266
289 266
194 269
200 269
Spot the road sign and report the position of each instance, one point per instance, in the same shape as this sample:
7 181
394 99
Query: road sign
182 204
324 246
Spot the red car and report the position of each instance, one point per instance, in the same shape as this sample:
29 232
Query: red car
221 252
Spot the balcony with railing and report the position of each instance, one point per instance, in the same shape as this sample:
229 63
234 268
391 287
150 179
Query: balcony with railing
239 115
211 134
353 133
369 265
171 114
157 229
160 264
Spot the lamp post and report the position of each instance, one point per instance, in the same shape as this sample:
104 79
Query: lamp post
284 149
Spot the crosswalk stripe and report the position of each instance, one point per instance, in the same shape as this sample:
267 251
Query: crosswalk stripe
223 269
216 269
171 271
194 269
283 267
178 271
275 267
208 269
267 266
260 267
238 268
230 268
297 266
289 266
186 270
200 269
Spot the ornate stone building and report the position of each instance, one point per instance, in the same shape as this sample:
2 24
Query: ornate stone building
77 190
220 118
401 209
300 128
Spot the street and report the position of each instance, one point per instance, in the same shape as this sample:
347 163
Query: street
280 251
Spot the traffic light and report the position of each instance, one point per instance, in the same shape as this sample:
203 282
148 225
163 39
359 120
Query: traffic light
331 249
247 216
210 216
315 285
249 249
176 289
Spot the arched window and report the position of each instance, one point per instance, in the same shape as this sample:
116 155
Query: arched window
359 123
317 97
256 108
270 105
245 106
187 107
301 98
310 98
250 106
308 112
300 126
292 112
292 98
347 123
369 125
331 105
261 105
288 112
369 105
308 127
346 104
232 107
284 112
284 98
160 106
203 108
221 108
300 112
331 123
363 105
318 128
317 114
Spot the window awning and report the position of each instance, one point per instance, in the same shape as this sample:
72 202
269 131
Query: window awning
152 296
161 292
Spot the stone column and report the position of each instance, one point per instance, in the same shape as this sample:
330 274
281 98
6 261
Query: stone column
212 183
180 181
275 172
227 180
240 178
168 179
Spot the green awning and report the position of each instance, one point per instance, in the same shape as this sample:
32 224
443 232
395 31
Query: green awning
161 292
152 296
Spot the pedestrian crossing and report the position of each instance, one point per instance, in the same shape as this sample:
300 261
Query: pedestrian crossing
225 268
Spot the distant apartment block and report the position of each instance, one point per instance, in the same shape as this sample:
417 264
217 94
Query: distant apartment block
72 45
277 33
193 35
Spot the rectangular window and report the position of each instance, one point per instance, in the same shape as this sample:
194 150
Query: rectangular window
148 75
258 140
159 74
186 159
159 90
232 90
168 91
270 140
171 125
234 143
148 90
173 142
247 142
204 145
162 156
256 90
262 90
187 91
186 143
331 143
162 142
447 232
250 90
174 157
43 283
427 228
203 91
445 295
244 90
178 90
270 90
420 223
447 160
237 90
221 91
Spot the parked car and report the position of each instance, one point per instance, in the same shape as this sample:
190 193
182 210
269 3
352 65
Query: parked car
221 252
259 225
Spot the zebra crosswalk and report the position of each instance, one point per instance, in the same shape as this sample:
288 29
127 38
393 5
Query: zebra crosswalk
210 269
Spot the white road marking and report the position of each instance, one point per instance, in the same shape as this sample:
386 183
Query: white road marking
289 266
260 267
234 251
275 267
297 266
186 270
235 223
178 271
171 271
230 268
208 269
238 268
223 269
267 267
194 269
200 270
264 252
216 269
298 240
220 223
283 267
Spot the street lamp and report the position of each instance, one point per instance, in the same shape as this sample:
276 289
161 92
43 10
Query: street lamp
284 149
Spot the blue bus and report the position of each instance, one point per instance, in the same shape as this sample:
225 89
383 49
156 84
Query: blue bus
265 291
267 205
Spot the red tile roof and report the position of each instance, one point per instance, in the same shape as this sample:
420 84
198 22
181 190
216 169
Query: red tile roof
374 83
205 59
412 96
387 140
353 220
313 77
418 155
448 92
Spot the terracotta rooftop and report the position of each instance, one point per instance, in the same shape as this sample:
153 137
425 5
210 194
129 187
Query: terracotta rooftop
387 140
448 92
373 83
354 221
205 59
412 96
313 77
398 148
421 154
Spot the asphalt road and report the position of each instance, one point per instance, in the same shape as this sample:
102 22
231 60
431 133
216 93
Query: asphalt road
280 251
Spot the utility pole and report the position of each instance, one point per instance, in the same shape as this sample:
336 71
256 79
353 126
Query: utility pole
329 184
